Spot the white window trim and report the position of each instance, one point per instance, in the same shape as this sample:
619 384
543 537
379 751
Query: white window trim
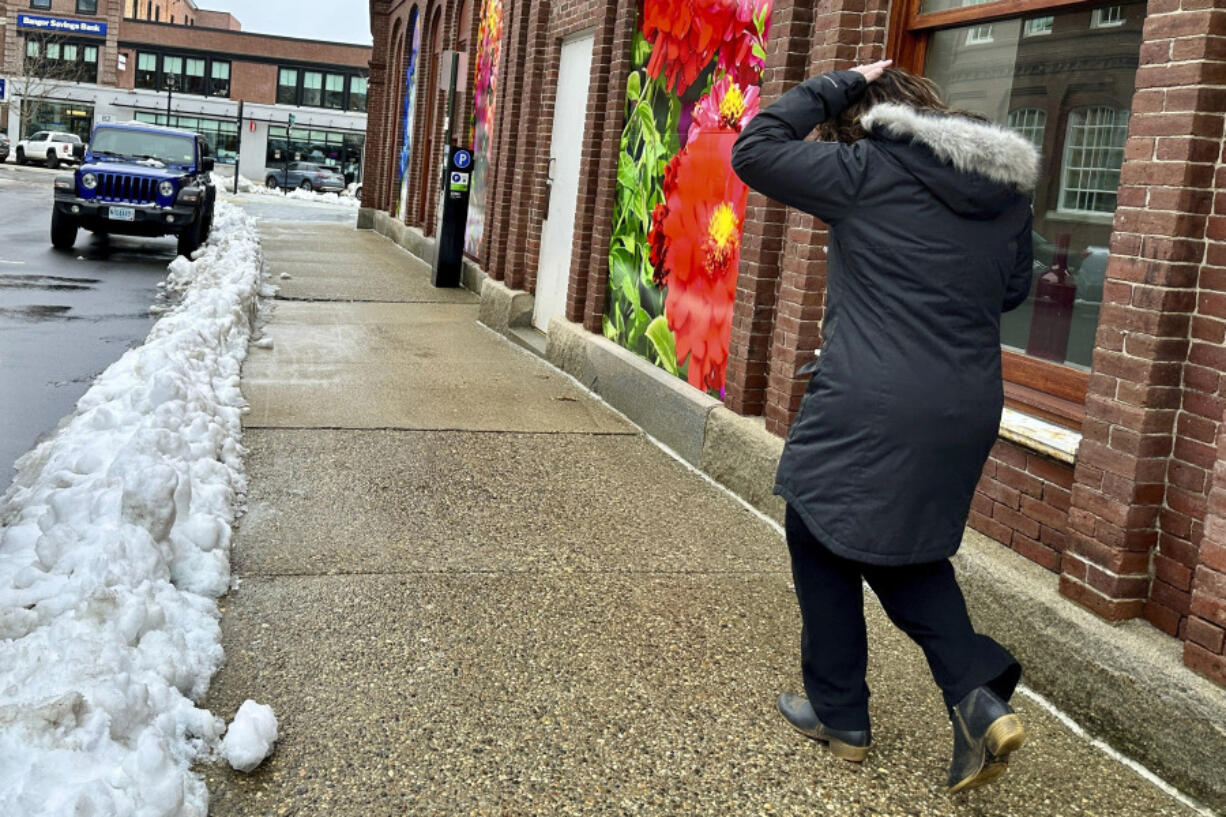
1096 18
980 35
1086 215
1026 32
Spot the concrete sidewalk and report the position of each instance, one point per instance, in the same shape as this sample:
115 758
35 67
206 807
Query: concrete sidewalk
469 588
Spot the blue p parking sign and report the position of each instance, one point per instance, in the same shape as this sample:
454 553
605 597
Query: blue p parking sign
462 159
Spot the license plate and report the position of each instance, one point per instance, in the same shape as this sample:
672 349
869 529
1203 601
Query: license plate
122 214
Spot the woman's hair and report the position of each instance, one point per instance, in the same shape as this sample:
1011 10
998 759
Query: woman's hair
895 85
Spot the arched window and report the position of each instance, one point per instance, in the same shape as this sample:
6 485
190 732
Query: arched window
1093 154
1030 123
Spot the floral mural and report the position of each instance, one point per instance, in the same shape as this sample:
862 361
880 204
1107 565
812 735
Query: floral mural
485 86
680 210
410 97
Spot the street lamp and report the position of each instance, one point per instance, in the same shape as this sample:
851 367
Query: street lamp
170 93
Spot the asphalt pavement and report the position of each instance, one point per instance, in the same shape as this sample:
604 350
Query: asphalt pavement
64 315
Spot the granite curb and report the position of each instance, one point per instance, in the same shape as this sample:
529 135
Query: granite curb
1124 683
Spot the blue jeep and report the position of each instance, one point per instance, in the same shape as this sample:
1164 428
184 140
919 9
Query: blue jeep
138 179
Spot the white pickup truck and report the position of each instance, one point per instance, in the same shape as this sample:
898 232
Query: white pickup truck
51 147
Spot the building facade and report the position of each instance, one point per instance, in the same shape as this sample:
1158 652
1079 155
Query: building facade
601 187
71 64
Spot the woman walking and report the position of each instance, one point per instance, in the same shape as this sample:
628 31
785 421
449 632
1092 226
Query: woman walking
930 218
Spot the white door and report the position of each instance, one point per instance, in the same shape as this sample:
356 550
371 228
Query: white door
565 152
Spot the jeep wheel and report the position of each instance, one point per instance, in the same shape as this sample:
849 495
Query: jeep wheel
63 230
306 185
271 182
191 238
21 156
52 160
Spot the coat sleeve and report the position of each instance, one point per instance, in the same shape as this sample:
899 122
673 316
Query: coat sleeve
1017 288
772 156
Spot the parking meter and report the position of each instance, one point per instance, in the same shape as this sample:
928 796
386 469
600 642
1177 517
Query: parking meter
449 244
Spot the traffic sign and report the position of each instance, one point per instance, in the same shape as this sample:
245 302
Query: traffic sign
3 89
463 159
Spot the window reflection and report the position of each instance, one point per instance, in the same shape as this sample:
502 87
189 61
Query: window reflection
1065 82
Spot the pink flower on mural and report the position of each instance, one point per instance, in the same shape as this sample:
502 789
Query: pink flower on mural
489 41
728 106
701 230
743 53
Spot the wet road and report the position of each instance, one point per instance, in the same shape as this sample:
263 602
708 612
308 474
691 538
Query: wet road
64 316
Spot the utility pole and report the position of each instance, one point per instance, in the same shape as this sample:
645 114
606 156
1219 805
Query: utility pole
238 152
170 92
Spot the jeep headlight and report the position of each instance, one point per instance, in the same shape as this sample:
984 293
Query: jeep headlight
167 189
89 181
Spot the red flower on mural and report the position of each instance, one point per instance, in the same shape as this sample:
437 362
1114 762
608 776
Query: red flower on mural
728 106
701 229
686 34
656 237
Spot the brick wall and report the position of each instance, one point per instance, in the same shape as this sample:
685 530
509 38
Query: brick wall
1023 501
265 46
1152 414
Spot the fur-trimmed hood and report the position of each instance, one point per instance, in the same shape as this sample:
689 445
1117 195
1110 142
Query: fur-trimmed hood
990 151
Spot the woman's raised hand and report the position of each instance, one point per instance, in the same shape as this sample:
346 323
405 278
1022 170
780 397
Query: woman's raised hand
874 70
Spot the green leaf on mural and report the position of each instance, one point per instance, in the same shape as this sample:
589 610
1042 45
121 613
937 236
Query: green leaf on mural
759 51
634 86
664 343
642 49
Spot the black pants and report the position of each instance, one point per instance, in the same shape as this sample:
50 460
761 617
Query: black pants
923 600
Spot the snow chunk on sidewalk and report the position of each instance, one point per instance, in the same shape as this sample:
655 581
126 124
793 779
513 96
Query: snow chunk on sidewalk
114 544
250 737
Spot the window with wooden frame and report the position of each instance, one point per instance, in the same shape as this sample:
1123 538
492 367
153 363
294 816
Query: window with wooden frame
1063 75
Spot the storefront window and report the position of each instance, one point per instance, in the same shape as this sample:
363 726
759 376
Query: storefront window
312 88
75 118
287 87
147 71
338 150
334 91
357 94
1069 94
221 79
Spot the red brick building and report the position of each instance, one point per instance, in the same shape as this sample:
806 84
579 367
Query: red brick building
74 63
1111 468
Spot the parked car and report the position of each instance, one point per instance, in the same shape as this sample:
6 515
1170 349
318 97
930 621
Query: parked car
307 176
138 179
4 147
51 147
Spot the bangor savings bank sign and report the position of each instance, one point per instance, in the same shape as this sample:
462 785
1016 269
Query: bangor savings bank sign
61 25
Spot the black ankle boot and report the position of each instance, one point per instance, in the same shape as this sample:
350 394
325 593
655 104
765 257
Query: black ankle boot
844 744
986 731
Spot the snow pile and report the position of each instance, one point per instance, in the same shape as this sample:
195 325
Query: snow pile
250 737
323 198
345 199
114 546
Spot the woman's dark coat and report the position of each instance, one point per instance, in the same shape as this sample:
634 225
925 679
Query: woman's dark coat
930 240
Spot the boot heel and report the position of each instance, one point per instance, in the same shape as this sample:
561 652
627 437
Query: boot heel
845 751
1005 735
